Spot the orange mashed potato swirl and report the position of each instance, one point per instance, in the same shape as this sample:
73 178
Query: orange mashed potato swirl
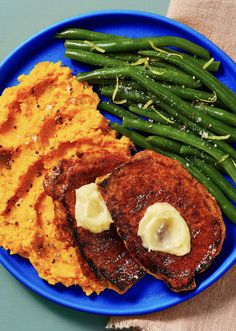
47 117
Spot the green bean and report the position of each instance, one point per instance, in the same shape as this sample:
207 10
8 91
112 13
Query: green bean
165 143
215 125
141 97
227 208
161 142
128 93
83 34
75 33
164 65
210 125
183 150
137 97
196 128
187 151
136 44
213 66
131 58
183 92
180 105
111 108
187 138
104 61
163 74
155 89
223 92
123 72
157 116
216 177
137 138
125 84
171 76
100 82
218 113
115 110
133 95
159 91
191 94
104 73
93 58
126 57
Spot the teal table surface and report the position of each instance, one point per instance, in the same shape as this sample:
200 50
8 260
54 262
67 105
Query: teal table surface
20 309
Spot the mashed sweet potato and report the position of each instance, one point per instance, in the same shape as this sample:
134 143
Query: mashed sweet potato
47 117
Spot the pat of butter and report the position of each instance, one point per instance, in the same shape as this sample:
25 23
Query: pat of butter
90 209
163 229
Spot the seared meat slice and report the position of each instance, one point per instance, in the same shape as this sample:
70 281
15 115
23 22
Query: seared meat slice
105 252
149 178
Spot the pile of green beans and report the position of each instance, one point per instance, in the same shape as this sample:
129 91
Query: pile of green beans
167 99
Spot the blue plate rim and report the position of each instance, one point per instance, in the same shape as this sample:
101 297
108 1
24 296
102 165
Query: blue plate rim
231 260
175 301
162 18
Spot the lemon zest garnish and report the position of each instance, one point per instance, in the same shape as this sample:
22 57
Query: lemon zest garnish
162 116
213 99
93 46
208 63
224 157
140 61
218 137
234 162
154 72
162 51
147 104
118 102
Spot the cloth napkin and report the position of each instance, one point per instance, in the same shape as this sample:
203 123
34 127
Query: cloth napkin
214 309
211 310
216 19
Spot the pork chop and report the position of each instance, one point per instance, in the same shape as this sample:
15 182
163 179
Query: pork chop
104 253
149 178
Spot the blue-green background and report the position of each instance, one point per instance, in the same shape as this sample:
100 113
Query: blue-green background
21 309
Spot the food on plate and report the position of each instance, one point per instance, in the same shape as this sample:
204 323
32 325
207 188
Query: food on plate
190 113
49 116
206 172
74 201
166 219
91 212
163 229
145 181
102 250
135 44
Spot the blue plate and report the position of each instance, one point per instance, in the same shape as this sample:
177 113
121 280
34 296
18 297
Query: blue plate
148 295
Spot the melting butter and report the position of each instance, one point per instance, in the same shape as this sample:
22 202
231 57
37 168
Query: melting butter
90 209
163 229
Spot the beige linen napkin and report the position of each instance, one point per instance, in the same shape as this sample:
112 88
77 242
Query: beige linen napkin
216 19
214 309
211 310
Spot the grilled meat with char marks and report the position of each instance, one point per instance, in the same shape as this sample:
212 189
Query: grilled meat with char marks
149 178
104 252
